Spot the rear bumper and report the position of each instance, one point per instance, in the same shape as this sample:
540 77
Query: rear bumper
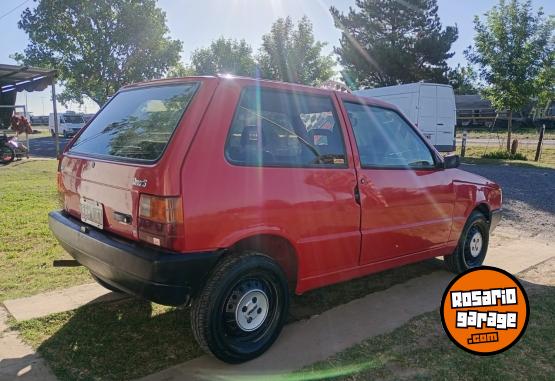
495 219
160 276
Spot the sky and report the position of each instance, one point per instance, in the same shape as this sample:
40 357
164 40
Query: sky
197 23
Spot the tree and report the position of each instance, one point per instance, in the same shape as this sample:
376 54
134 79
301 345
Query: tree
463 80
390 42
224 56
180 70
293 55
511 47
545 83
98 46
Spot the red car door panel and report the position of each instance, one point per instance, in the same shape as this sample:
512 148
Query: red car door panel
406 201
403 212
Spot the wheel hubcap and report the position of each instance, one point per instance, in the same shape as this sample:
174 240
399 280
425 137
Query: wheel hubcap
252 310
476 243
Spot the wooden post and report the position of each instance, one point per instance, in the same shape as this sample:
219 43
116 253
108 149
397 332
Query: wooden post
463 144
540 142
514 147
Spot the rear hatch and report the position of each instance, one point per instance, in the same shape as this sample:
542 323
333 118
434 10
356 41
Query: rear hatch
128 150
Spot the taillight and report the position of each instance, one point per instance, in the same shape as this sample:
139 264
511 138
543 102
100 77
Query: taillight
160 220
61 190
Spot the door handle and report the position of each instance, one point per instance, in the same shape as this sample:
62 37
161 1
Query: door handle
440 124
357 194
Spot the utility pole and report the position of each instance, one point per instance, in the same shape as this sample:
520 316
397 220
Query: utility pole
55 118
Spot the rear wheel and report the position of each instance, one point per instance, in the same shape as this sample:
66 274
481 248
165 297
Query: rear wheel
473 245
7 154
52 132
242 308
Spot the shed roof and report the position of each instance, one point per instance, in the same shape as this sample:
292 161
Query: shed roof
19 78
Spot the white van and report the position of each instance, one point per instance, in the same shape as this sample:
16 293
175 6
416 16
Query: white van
429 106
69 123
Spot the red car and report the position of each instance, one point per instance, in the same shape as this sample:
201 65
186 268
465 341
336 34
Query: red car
230 193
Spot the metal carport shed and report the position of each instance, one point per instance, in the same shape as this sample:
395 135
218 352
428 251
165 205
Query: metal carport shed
13 79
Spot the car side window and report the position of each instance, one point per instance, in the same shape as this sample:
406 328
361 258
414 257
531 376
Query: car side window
385 139
285 129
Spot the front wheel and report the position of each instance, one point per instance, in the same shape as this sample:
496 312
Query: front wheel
242 308
473 245
7 154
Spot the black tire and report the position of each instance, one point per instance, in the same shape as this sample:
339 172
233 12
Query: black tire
65 134
7 154
106 285
52 133
469 253
219 323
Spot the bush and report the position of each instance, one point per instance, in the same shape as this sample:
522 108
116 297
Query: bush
503 155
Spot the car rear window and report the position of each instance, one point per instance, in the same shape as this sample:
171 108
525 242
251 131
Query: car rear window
136 124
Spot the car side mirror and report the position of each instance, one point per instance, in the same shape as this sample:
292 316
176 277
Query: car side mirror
451 161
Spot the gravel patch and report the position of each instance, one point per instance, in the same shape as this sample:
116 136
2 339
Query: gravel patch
528 197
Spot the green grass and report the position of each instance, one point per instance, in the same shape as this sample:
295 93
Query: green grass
517 133
475 155
112 341
130 338
504 155
528 140
420 350
27 248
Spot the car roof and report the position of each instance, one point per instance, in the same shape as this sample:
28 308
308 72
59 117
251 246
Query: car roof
255 81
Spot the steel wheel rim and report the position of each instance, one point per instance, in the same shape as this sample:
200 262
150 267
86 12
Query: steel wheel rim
474 246
252 310
240 331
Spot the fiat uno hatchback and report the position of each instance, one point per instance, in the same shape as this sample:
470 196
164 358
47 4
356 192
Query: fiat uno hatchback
227 194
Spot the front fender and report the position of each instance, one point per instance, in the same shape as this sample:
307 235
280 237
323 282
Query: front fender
470 196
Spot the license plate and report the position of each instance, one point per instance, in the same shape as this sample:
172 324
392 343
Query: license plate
92 213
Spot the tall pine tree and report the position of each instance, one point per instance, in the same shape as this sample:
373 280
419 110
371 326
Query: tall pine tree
389 42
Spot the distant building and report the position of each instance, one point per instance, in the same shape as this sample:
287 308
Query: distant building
544 113
474 110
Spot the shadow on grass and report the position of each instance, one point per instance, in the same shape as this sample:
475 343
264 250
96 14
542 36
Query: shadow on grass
132 338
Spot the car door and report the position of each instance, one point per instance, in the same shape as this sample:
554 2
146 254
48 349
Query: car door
406 200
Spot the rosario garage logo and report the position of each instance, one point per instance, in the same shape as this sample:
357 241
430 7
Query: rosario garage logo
485 310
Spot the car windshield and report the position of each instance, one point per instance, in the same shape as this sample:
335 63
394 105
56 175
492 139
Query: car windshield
75 119
136 124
